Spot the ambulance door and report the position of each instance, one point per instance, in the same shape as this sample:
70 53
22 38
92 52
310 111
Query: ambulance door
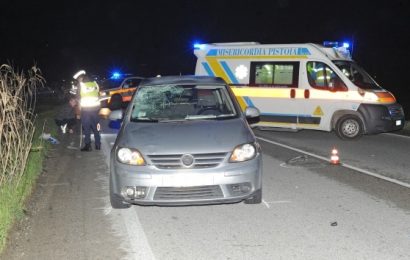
324 93
274 85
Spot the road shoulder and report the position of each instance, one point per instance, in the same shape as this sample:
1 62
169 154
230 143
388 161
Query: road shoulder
65 216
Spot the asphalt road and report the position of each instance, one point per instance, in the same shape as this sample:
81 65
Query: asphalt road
310 209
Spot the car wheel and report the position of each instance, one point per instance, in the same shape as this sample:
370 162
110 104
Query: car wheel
116 201
349 127
256 198
115 102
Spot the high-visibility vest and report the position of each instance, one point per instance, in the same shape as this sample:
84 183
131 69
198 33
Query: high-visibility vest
89 94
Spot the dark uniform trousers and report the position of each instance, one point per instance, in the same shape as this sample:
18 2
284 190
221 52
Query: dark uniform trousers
89 121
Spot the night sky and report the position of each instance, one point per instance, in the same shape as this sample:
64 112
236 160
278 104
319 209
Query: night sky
155 37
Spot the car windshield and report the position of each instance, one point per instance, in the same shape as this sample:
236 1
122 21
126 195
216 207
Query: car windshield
166 103
357 75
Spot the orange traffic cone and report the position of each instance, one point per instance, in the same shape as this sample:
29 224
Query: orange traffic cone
334 157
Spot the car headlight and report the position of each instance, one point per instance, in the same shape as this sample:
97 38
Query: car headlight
243 153
130 156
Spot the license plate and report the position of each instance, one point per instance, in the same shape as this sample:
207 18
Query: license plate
398 122
187 180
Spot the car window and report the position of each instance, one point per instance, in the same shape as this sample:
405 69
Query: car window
278 74
321 76
181 102
131 83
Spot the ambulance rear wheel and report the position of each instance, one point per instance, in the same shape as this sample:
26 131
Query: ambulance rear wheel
115 102
349 127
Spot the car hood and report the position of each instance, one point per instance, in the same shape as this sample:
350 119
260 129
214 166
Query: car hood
199 136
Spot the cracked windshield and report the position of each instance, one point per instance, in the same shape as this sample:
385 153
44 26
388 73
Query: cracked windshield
182 102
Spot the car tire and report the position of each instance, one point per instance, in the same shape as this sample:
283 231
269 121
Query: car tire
256 198
349 127
116 201
115 102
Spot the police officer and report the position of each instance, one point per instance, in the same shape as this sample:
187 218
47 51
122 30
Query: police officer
90 106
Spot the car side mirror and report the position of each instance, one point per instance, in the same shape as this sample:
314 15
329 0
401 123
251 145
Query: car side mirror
116 115
252 115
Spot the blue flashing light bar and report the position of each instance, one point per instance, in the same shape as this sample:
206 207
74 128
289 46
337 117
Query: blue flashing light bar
330 44
116 75
336 44
199 46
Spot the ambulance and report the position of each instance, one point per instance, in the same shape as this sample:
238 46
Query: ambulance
303 86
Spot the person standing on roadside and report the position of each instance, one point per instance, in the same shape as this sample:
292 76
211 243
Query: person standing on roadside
88 91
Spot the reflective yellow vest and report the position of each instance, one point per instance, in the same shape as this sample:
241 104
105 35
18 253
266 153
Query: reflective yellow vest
89 94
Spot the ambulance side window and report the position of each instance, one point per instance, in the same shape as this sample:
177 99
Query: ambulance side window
321 76
274 74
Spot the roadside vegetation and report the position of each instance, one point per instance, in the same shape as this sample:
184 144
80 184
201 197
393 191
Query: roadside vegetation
21 151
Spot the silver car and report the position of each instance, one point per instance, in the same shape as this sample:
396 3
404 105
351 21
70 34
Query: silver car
184 140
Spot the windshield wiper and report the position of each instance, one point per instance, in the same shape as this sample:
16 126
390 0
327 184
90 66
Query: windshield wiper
144 119
198 117
207 117
194 117
226 116
172 120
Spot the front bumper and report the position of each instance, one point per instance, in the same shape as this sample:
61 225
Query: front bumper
227 183
382 118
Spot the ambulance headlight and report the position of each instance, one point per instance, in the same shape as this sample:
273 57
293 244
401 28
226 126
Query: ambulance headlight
370 96
130 156
243 153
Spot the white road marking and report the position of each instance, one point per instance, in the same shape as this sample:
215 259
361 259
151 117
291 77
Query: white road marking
404 184
267 203
278 202
136 235
397 135
139 247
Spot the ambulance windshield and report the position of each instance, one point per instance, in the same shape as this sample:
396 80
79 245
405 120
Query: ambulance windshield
357 75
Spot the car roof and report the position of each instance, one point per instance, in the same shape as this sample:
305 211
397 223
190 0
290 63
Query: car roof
183 80
133 77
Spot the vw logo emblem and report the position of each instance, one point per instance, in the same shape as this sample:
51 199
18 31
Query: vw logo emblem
187 160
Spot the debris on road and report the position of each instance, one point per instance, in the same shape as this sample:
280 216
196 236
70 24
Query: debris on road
48 137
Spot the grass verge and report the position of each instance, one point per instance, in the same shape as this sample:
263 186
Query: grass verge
13 194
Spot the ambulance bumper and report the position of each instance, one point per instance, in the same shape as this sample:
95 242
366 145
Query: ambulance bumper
382 118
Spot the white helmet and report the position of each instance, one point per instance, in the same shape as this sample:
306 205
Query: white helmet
79 73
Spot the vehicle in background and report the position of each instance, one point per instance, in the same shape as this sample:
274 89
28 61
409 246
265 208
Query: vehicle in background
303 86
184 140
116 94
